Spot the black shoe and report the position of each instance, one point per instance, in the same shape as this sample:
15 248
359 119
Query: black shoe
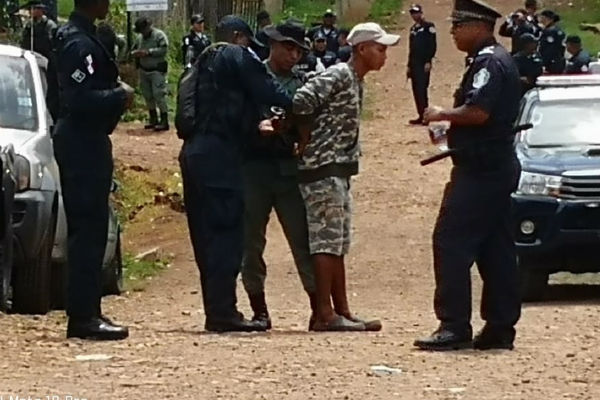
153 120
494 338
445 339
234 324
96 328
164 123
416 121
259 307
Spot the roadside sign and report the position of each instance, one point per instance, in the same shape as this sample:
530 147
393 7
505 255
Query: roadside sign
147 5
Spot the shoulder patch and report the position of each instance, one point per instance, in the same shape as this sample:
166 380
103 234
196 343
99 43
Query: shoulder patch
432 29
486 50
550 39
78 76
481 78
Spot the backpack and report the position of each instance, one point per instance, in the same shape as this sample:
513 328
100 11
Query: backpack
195 94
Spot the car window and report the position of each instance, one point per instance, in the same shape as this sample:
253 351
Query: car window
17 94
565 123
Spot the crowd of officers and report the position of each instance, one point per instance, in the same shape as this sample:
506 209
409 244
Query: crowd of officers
273 137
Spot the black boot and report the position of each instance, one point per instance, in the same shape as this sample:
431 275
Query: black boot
153 120
95 328
259 307
446 338
164 123
237 323
495 337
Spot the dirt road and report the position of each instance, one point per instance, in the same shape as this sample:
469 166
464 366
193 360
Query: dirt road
390 276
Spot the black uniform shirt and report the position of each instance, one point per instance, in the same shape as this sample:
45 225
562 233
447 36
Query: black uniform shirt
514 31
492 83
344 53
192 45
89 92
422 43
331 34
328 58
579 63
530 66
552 49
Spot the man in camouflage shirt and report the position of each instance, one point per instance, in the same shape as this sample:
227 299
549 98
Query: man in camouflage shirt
332 102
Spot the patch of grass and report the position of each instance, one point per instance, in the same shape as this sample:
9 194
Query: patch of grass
383 11
137 271
307 11
581 11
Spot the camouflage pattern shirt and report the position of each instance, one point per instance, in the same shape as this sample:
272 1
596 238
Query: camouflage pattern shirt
334 99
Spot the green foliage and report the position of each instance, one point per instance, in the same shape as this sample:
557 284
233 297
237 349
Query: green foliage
65 7
383 11
581 11
307 11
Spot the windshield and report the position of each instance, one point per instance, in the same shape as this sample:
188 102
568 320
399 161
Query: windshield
565 123
17 95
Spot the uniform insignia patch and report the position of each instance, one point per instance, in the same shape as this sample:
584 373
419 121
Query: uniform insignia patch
481 78
432 29
186 41
89 61
550 39
78 76
486 50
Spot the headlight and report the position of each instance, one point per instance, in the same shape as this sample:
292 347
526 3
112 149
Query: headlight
539 184
23 172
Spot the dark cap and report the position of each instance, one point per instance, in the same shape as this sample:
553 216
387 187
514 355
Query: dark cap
474 10
415 9
289 31
574 39
35 4
197 19
319 36
232 23
527 38
329 13
141 24
262 15
531 3
550 15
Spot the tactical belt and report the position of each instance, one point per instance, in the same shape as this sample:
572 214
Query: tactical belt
327 171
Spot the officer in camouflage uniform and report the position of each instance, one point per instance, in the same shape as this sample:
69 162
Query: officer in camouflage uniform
150 51
271 180
331 103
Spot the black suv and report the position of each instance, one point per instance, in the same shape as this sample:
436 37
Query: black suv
557 204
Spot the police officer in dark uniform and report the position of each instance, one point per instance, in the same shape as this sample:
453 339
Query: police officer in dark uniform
328 30
194 43
552 43
261 44
211 164
345 50
38 36
474 224
579 62
92 102
320 52
531 7
307 63
514 27
529 62
422 49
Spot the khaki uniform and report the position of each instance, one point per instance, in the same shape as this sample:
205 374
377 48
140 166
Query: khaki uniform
153 69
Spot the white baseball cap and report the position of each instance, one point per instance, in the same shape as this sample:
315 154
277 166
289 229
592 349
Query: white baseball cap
370 31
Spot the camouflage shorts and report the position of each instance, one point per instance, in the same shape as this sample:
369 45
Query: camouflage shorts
329 215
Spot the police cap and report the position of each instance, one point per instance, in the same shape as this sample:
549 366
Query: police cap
141 24
197 19
320 37
527 38
530 3
289 31
573 39
550 15
415 9
329 13
474 10
35 4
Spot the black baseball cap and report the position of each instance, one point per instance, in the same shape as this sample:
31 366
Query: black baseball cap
329 13
551 15
197 19
289 31
574 39
528 38
231 23
415 9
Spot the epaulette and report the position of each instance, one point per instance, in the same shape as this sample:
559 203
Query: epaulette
486 51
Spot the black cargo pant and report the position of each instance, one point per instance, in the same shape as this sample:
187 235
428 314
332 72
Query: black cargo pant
420 85
474 226
86 167
215 218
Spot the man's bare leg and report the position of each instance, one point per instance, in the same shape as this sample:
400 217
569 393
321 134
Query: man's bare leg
325 265
338 290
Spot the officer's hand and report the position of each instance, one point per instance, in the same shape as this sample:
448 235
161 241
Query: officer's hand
433 114
129 93
427 67
267 127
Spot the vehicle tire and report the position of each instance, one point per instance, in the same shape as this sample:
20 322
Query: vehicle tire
59 286
534 281
32 281
112 280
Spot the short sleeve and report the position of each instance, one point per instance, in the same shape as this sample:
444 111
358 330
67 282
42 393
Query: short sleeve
486 84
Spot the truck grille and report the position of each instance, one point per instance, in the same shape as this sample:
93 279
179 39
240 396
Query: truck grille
580 187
